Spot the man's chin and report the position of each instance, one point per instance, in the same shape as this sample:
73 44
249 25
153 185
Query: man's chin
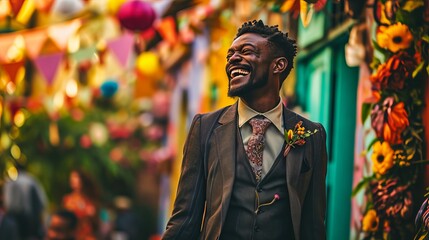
238 92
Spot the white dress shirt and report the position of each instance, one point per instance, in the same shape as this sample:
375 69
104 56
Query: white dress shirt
274 136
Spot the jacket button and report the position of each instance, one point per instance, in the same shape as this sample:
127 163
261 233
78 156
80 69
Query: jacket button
259 189
257 229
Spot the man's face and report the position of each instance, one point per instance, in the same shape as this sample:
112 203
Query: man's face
59 229
248 64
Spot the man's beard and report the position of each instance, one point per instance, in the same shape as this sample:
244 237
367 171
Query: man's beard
245 89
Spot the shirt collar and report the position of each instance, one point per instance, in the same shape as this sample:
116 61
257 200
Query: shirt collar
275 115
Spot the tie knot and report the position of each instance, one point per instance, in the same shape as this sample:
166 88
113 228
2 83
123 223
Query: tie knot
259 125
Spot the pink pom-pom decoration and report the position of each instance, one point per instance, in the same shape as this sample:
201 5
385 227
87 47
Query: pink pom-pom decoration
136 15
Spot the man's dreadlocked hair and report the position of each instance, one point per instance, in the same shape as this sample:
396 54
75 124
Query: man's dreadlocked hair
274 36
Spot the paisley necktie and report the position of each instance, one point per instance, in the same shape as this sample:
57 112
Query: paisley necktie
255 145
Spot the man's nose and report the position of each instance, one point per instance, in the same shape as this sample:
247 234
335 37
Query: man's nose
235 57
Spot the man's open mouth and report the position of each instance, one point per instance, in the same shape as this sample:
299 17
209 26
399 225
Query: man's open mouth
238 72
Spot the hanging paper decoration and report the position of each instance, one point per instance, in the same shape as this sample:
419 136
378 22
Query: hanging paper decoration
167 29
26 12
84 54
5 9
144 87
16 6
61 33
114 5
6 41
148 65
304 8
67 8
136 15
12 69
48 65
109 88
122 48
34 41
306 13
44 5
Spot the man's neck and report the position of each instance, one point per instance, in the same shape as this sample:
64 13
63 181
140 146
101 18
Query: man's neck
261 104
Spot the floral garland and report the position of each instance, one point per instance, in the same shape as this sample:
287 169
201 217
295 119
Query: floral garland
400 71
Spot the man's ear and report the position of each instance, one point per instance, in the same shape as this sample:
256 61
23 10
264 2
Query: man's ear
280 65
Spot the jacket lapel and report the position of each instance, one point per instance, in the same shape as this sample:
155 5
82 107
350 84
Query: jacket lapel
293 165
225 141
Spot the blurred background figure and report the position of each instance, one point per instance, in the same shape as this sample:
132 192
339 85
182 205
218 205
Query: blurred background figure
8 226
62 226
126 224
84 202
25 201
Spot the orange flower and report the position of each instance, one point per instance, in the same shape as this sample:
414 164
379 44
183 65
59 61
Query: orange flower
394 37
389 120
382 158
393 73
370 221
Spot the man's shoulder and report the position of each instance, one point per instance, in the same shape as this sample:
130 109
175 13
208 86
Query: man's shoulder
214 113
308 123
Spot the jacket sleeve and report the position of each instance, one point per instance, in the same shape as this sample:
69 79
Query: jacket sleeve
186 218
314 207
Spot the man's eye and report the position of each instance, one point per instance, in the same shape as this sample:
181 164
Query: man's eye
246 51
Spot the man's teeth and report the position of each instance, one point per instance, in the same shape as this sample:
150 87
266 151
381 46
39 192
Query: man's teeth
237 72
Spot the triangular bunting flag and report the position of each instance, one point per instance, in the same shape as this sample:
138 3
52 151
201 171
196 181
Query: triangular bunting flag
48 65
44 5
122 47
27 10
61 33
306 12
16 6
84 54
34 41
5 9
12 69
6 42
167 28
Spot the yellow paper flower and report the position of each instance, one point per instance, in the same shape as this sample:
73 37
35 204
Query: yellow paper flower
382 158
370 221
394 37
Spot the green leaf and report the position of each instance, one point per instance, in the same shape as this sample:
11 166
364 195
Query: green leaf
416 135
371 143
366 109
418 69
286 137
425 38
365 181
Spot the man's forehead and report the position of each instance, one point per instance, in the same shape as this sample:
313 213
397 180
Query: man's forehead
248 38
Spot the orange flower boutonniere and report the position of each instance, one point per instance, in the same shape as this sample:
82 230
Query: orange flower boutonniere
296 137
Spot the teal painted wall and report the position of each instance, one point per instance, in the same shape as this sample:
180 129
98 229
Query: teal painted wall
326 89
